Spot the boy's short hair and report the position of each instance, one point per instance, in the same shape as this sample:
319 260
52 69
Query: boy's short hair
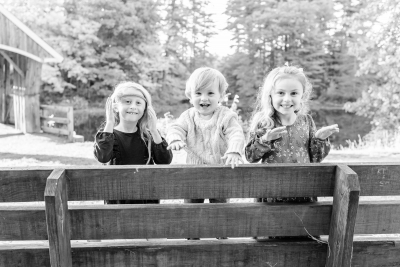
203 78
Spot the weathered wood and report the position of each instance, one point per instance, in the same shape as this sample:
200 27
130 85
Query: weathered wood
57 219
378 179
23 184
343 219
215 181
70 125
55 108
58 131
176 182
16 67
368 252
156 221
14 34
55 119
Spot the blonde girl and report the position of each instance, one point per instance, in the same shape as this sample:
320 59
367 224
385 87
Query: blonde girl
130 135
281 131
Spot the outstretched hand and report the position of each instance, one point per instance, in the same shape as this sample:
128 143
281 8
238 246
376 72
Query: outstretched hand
274 134
233 158
176 145
326 131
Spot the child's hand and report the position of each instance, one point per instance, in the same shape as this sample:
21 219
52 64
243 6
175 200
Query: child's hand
110 119
152 121
176 145
233 159
274 134
326 131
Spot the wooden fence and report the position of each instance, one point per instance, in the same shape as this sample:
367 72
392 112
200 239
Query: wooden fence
50 115
122 235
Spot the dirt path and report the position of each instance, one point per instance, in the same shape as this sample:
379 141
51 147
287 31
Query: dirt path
17 150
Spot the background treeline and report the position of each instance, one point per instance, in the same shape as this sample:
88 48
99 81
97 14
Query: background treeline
348 48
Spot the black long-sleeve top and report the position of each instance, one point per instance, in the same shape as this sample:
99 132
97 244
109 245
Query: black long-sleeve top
119 148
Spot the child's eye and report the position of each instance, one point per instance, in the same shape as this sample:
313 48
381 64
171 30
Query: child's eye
138 103
294 93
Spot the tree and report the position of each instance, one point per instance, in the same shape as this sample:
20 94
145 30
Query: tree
376 42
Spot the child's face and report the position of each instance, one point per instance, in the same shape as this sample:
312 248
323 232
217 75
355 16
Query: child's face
130 105
286 97
206 100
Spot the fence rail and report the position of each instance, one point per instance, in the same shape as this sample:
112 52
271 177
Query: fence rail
68 228
48 118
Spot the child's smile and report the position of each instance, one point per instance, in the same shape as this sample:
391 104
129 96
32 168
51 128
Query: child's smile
286 97
206 100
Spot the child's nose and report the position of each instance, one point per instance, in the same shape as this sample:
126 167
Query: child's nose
204 97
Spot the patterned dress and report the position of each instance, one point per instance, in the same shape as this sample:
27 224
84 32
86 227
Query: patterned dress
299 145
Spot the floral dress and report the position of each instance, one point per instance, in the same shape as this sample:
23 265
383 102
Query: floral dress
299 145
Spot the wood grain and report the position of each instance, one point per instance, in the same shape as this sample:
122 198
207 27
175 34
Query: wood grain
57 219
343 219
368 252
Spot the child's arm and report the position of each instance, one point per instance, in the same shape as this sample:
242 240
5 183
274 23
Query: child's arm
177 132
236 141
261 143
103 146
104 141
319 141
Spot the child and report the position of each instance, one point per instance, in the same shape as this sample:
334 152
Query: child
130 135
280 130
211 132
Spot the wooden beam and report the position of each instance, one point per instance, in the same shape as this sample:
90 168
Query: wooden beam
56 56
378 179
56 200
368 252
15 66
28 222
175 182
194 181
343 219
23 184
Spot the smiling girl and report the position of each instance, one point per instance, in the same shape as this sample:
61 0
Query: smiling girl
130 135
281 131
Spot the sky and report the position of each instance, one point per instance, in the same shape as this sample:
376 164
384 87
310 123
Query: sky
220 43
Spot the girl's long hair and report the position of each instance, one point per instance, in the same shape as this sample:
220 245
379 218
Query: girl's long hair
264 113
143 123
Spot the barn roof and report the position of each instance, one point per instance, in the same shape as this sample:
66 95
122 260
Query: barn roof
16 37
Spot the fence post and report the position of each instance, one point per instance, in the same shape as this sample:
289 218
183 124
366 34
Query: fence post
344 212
58 230
70 125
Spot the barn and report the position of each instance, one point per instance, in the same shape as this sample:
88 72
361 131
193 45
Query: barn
22 54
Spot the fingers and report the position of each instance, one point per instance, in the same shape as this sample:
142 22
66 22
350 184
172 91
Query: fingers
176 146
233 160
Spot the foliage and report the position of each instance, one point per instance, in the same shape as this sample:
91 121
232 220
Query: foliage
376 31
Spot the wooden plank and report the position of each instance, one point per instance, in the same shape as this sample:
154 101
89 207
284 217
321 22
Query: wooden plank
23 184
212 181
56 108
55 130
55 119
15 65
378 179
343 219
156 221
57 219
23 222
368 252
70 125
176 182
